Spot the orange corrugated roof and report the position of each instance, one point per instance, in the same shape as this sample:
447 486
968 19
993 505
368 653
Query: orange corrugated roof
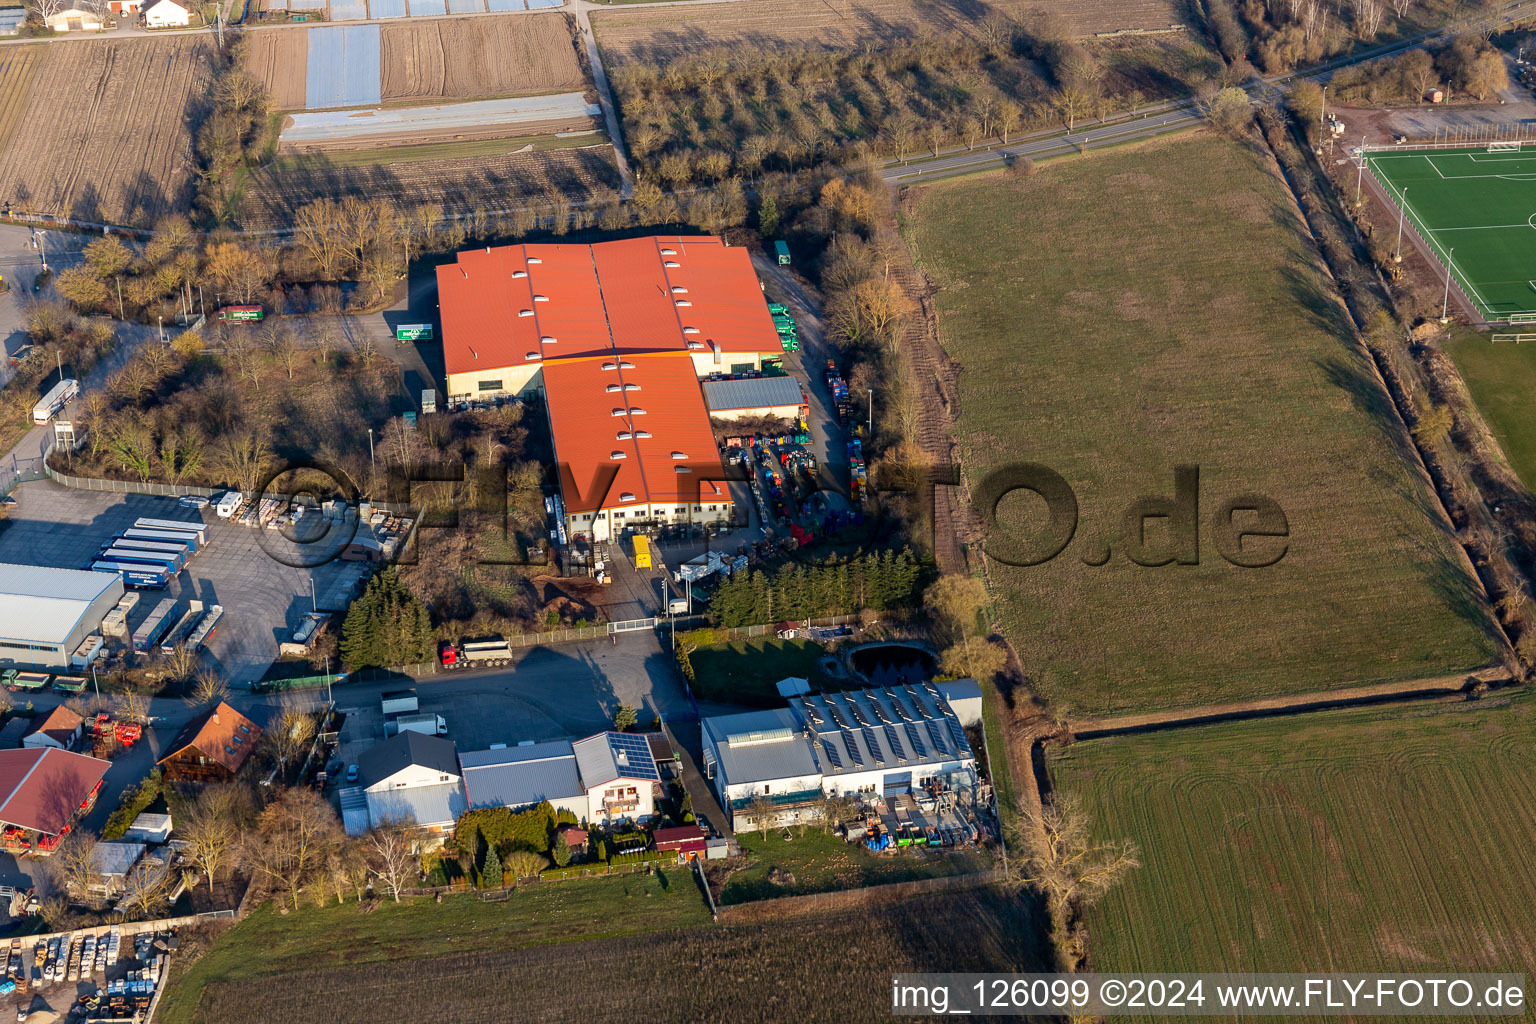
596 298
658 396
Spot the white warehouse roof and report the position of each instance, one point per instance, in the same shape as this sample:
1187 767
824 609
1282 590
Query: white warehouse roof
41 604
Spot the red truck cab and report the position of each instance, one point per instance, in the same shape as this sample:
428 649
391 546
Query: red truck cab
447 653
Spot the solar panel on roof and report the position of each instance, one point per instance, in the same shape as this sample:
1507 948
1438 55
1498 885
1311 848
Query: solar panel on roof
640 765
894 742
916 740
858 714
853 749
837 717
873 744
957 733
934 734
880 712
837 762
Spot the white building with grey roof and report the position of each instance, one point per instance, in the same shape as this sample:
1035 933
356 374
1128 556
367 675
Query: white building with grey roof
867 744
45 613
606 778
409 779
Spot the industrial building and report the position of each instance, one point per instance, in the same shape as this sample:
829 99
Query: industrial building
46 613
867 744
607 778
738 398
616 337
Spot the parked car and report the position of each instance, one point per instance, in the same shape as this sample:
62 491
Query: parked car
193 501
351 773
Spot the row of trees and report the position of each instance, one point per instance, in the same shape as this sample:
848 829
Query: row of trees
880 581
1468 66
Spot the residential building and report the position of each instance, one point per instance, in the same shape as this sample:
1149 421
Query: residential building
42 791
45 613
602 779
166 14
212 747
862 744
615 336
75 19
61 728
411 779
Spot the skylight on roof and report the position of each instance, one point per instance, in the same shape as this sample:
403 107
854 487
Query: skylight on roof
534 259
535 356
627 496
690 330
541 298
617 455
624 435
525 312
547 340
625 364
610 366
631 387
519 273
672 264
669 252
679 455
636 411
684 302
643 434
615 387
678 289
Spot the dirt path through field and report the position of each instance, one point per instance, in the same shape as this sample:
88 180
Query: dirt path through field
1298 703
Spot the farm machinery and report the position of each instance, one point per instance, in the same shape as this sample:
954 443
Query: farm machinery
109 735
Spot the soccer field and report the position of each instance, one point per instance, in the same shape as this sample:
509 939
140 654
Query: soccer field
1477 211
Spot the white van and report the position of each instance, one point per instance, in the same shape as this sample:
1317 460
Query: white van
228 504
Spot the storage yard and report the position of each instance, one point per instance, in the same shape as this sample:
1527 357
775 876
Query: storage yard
658 35
353 129
364 65
120 148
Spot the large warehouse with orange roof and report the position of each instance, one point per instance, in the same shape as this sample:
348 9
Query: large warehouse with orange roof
616 337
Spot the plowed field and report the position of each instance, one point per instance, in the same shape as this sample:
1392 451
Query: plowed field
17 66
480 58
280 58
640 33
117 145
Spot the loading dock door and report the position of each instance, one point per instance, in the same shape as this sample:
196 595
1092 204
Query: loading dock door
897 783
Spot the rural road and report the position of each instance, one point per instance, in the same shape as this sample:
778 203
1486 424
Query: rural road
1158 118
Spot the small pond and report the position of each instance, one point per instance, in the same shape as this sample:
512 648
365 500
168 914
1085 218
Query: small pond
892 664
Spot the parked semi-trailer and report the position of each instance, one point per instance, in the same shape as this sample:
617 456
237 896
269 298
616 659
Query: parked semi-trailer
153 628
60 395
168 561
146 523
183 628
135 575
398 702
205 628
186 538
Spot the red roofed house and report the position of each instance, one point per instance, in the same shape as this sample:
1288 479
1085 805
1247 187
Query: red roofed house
60 729
686 841
616 336
212 747
41 792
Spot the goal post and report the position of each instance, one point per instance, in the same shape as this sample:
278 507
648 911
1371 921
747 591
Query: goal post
1504 147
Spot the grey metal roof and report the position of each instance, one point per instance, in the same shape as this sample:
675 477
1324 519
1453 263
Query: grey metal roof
425 805
761 746
41 604
751 393
381 761
518 776
614 755
115 856
11 20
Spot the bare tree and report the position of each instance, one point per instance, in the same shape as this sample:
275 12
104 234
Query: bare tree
45 9
761 810
131 706
210 832
392 852
291 731
146 889
73 866
1058 857
293 835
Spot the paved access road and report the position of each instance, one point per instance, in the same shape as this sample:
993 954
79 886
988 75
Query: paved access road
1161 118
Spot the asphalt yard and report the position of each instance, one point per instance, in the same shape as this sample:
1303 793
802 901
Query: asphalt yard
260 577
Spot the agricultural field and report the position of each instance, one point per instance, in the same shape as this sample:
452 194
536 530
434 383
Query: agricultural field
279 58
1117 317
458 184
636 33
448 59
770 971
304 131
1368 839
1502 379
118 146
480 58
17 66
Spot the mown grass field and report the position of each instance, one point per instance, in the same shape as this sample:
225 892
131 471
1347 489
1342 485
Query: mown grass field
818 967
747 671
1378 839
1502 379
1122 315
269 944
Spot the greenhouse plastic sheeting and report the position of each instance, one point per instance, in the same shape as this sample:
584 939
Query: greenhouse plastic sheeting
343 65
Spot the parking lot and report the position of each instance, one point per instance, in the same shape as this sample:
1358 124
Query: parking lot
257 575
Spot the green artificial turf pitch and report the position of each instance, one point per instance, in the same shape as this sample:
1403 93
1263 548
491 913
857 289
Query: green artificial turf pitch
1482 205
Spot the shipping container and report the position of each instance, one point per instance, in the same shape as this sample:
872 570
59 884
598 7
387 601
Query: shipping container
413 332
237 313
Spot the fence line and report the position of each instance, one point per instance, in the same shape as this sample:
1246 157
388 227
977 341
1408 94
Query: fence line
1432 252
